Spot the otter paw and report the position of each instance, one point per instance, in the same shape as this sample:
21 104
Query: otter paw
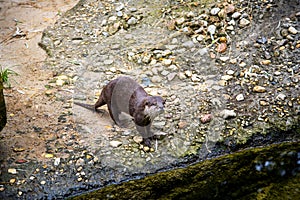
147 142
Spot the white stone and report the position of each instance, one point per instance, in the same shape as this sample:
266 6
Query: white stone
281 96
230 72
292 30
236 15
215 11
244 22
211 29
228 114
240 97
115 143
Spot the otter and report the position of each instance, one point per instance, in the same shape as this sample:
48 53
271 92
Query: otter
124 95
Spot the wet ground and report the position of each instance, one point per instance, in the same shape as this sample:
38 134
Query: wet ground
234 61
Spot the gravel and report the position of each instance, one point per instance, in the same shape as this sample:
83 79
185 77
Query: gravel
217 81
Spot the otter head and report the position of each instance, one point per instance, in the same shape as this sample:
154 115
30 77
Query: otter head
154 105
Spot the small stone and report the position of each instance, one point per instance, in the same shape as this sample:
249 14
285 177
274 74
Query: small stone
79 169
226 114
259 89
230 72
180 21
115 143
240 97
277 73
2 188
224 58
236 15
188 73
138 139
56 161
215 11
221 48
211 29
132 21
281 96
79 179
266 62
226 77
43 182
80 162
171 76
244 22
146 148
195 78
182 124
230 8
188 44
12 181
12 171
292 30
263 103
156 79
49 155
167 62
206 118
108 62
60 82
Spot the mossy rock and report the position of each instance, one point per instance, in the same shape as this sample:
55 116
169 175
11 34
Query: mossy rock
258 173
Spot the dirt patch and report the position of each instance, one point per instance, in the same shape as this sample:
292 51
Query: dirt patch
33 117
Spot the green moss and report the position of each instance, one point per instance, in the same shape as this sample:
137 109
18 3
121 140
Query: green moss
228 177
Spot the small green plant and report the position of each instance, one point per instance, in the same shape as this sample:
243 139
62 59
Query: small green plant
5 75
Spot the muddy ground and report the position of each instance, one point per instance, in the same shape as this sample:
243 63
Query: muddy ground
48 143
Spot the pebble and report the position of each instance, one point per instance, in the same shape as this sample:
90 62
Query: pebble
221 48
224 58
215 11
188 44
226 77
226 114
108 62
156 79
56 161
259 89
132 21
240 97
244 22
180 20
12 171
138 139
188 73
266 62
230 9
292 30
182 124
211 29
43 182
167 62
263 103
80 162
115 143
171 76
236 15
230 72
281 96
206 118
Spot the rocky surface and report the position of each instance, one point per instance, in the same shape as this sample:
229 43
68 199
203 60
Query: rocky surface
229 72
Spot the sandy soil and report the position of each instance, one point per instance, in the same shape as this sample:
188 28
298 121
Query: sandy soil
32 115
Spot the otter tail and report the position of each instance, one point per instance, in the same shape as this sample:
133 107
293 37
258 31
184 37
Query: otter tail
88 106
